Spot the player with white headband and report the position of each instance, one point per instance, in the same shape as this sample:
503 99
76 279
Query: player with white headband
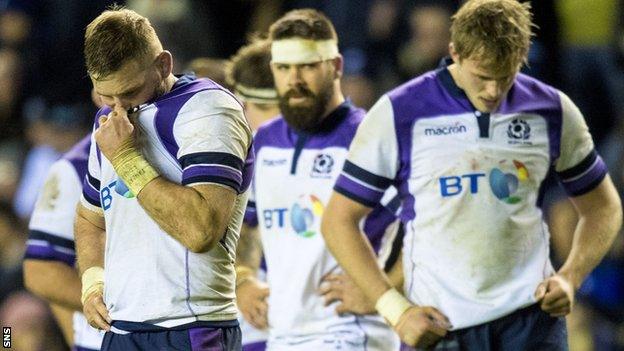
311 303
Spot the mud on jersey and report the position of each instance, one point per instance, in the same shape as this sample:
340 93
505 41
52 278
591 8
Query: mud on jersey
195 134
294 178
476 245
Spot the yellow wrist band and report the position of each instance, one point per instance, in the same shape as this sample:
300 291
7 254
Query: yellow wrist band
243 274
132 167
92 281
391 305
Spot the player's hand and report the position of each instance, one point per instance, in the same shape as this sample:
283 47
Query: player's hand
556 295
251 297
114 130
422 327
95 311
340 287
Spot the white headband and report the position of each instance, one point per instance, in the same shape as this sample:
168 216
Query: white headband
300 51
256 95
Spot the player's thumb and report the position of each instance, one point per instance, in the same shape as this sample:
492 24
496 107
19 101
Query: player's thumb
541 290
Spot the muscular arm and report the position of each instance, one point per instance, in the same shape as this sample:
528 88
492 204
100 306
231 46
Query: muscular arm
197 216
53 281
340 228
90 238
600 218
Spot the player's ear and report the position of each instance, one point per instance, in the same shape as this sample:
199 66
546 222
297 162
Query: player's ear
338 63
453 53
165 63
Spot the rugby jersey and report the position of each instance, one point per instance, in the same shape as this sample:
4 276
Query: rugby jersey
476 245
194 134
295 173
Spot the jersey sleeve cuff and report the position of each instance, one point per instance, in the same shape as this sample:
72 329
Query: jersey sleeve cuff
213 167
585 176
360 185
48 247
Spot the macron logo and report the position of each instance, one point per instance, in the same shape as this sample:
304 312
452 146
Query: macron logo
446 130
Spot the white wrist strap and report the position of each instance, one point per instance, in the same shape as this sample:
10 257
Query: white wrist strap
391 306
92 280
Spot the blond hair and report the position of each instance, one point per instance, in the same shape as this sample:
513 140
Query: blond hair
498 32
115 37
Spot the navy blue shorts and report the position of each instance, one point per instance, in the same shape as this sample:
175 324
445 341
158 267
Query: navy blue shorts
255 346
196 336
527 329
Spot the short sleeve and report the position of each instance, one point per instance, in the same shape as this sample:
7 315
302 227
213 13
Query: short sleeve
214 140
51 227
579 168
372 163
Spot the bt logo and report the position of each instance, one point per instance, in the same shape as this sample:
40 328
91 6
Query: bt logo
503 185
304 214
120 188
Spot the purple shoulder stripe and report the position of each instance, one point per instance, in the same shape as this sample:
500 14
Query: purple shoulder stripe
529 95
78 156
170 104
423 97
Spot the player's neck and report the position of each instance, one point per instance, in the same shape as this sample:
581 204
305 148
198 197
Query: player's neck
336 100
169 82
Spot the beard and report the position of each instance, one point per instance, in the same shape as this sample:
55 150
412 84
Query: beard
306 118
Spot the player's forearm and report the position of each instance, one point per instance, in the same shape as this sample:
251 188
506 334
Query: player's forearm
354 253
90 239
600 219
395 275
592 240
184 213
53 281
249 249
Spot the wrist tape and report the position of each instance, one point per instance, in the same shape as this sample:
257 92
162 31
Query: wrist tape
391 306
92 280
132 167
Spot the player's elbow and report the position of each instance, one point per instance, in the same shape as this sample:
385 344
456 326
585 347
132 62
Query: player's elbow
205 238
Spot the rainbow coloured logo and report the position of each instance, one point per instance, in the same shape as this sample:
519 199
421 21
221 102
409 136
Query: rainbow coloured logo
304 213
505 185
122 189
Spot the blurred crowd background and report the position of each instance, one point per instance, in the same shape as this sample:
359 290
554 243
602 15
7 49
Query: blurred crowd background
46 106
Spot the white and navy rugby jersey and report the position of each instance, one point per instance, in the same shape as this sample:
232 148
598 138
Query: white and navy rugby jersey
476 246
51 227
295 174
195 134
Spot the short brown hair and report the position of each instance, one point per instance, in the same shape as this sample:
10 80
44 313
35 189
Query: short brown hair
115 37
251 66
303 23
496 31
